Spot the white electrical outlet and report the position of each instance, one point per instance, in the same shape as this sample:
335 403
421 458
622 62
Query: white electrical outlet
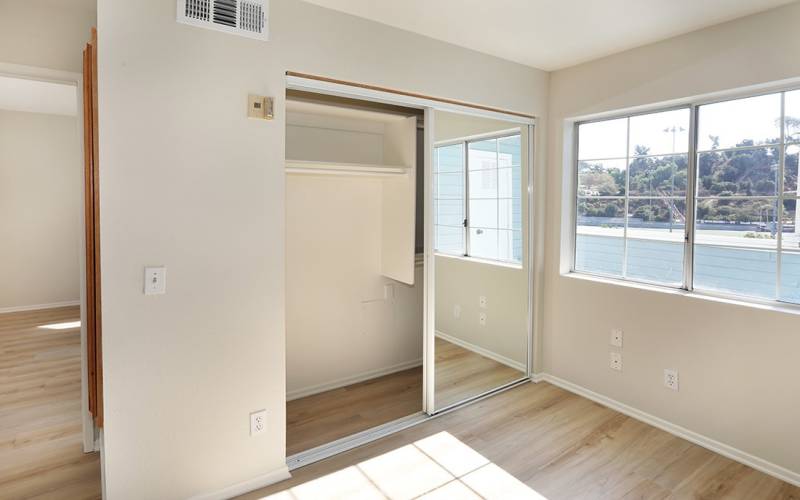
258 422
671 379
155 280
482 301
616 338
482 319
615 361
456 311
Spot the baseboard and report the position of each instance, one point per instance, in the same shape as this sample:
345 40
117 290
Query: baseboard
36 307
483 352
275 476
723 449
353 379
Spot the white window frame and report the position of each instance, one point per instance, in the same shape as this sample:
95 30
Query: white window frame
691 199
465 227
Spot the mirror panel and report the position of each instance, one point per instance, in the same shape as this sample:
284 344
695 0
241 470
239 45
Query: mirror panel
481 294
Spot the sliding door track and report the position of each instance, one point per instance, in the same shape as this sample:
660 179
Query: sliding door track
364 437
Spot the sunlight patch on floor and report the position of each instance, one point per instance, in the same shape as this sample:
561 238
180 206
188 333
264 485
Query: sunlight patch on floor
437 467
62 326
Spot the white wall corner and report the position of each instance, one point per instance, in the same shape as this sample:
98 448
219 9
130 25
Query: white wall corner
261 481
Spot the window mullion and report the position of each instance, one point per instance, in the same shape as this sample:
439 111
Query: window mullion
467 251
779 208
627 197
691 203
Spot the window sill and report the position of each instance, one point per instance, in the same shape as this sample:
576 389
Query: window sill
476 260
764 305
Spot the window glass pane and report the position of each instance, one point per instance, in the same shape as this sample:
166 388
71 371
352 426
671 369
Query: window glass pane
748 172
601 178
599 244
450 158
508 215
449 212
482 154
605 139
507 241
736 249
659 176
509 182
790 254
450 240
656 231
792 118
483 213
790 169
742 122
510 150
483 243
660 133
483 184
450 186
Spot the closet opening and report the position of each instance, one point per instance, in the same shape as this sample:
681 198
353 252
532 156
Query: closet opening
354 267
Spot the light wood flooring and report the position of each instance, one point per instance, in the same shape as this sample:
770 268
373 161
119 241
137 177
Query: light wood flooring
560 445
321 418
41 452
461 374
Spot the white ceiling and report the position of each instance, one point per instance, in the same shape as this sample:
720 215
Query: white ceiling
550 34
33 96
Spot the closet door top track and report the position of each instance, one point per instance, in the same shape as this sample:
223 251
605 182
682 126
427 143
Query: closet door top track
376 88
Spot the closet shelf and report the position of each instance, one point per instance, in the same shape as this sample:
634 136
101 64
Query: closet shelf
337 168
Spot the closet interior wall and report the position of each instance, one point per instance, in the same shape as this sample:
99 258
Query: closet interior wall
354 287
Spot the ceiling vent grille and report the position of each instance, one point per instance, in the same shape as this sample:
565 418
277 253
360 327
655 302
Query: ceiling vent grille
240 17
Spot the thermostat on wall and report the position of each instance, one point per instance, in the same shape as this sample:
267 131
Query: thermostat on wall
259 107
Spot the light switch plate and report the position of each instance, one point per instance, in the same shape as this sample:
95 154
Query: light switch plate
155 280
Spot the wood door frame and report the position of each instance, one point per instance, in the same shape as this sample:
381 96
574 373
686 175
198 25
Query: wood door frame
76 80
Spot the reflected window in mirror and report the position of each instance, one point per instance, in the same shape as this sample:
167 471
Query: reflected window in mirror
478 198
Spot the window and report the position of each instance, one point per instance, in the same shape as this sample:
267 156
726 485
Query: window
632 194
631 213
478 198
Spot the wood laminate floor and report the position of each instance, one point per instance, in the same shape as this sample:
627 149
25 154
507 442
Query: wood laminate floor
321 418
535 439
462 374
41 451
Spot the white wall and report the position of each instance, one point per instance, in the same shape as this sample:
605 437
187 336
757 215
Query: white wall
189 182
738 364
340 325
40 209
45 33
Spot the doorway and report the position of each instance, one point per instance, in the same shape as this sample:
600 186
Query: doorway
44 396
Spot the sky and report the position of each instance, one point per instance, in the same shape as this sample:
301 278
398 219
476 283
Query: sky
754 118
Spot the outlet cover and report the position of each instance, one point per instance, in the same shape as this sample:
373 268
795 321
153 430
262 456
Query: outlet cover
671 379
457 311
482 301
615 361
616 338
258 422
482 319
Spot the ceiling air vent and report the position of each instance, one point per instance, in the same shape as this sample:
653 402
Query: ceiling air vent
240 17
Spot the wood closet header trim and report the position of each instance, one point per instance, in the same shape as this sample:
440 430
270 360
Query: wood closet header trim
408 94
